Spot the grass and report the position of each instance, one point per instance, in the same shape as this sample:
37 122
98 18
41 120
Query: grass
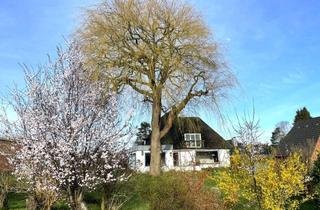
309 205
93 206
135 203
17 201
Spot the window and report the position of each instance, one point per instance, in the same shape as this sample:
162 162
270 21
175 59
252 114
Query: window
147 159
215 157
175 159
193 140
133 159
207 155
163 158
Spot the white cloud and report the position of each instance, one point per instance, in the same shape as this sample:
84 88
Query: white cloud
294 77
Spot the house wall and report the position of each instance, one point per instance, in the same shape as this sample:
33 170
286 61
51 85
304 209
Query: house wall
169 159
137 161
186 160
224 157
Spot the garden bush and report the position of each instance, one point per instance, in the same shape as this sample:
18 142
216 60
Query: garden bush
60 206
177 190
92 197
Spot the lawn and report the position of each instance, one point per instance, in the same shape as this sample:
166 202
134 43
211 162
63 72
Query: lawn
17 201
309 205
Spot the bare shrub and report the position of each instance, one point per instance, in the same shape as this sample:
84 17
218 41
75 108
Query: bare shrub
178 190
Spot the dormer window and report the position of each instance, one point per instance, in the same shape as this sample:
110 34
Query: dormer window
193 140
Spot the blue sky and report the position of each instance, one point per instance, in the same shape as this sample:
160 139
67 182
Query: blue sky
272 46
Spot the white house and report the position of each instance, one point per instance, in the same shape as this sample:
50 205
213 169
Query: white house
189 145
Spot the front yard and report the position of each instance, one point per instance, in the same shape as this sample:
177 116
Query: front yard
139 190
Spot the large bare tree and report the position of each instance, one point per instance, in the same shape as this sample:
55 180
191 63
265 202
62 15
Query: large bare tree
163 50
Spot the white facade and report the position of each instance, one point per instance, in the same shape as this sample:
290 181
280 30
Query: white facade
180 159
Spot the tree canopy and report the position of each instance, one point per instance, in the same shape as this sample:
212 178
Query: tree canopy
161 49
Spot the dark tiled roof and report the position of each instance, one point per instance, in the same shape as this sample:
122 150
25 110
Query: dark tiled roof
182 125
302 137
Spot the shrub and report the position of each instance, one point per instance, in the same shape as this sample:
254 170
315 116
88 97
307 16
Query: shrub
7 183
268 182
60 206
177 190
92 197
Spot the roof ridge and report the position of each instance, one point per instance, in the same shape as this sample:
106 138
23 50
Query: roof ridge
307 120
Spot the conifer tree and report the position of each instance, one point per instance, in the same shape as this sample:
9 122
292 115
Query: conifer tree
302 114
276 136
143 133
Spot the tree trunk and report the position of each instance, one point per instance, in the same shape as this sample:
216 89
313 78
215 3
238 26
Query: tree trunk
31 203
4 200
102 207
107 191
76 202
34 203
155 137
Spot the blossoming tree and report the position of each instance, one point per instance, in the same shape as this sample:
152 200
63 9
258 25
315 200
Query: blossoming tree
68 128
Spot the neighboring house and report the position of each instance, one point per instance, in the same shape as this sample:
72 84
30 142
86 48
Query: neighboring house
258 147
189 145
7 149
303 138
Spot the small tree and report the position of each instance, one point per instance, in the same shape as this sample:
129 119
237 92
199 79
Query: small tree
162 50
68 129
236 183
284 126
143 133
260 182
302 114
248 134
